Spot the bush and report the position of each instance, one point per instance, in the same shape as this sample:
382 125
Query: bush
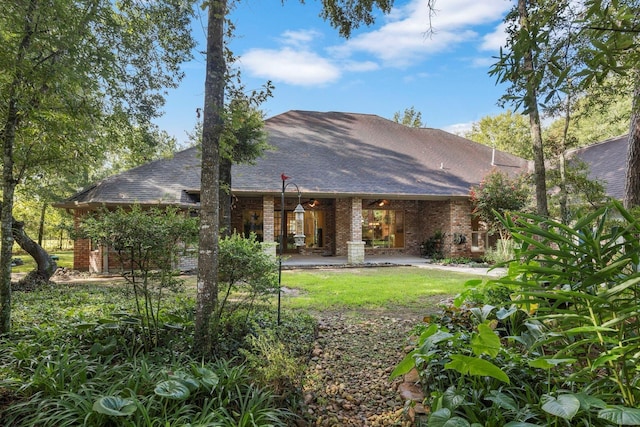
561 348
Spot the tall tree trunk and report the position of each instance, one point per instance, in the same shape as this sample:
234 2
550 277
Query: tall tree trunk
43 212
6 249
632 180
531 104
9 182
46 266
207 282
225 197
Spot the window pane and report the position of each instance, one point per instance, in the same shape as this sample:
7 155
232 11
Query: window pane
383 228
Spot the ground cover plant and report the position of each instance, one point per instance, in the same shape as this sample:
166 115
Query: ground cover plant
123 353
554 342
75 358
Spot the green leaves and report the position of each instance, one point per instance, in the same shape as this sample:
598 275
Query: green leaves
114 406
621 415
468 365
565 406
173 389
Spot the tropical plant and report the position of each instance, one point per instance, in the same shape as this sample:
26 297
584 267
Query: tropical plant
583 280
561 347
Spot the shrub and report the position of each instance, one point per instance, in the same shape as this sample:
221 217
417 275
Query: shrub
148 243
561 349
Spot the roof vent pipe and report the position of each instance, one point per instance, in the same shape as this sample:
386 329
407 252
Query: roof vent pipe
441 165
493 156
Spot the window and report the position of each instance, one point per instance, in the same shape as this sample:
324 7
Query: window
478 235
252 221
383 228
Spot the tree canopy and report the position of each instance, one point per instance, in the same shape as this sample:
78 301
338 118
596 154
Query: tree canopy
65 67
410 117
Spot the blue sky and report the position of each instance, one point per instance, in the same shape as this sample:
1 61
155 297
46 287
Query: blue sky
381 69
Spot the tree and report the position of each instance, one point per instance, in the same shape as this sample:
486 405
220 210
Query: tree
212 128
66 65
345 15
612 29
410 117
506 132
499 193
523 66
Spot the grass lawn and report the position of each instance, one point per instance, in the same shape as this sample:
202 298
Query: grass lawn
369 288
65 260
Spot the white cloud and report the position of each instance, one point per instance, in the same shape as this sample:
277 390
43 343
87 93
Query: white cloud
360 66
299 38
459 129
495 40
400 40
303 68
403 38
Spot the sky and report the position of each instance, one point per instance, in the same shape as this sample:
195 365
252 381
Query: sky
381 69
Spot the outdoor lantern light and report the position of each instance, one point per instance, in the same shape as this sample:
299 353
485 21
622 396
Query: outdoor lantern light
298 238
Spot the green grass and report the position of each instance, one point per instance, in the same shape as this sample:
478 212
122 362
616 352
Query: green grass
65 260
369 288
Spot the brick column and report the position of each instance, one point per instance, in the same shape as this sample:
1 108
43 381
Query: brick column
355 246
268 226
81 247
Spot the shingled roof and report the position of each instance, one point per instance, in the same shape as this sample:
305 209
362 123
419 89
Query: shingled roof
325 154
607 162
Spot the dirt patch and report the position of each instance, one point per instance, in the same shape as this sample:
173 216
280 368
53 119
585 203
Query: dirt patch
347 380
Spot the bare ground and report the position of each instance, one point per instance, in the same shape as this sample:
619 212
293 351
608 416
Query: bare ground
347 380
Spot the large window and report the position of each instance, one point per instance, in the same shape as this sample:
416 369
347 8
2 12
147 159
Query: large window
313 229
383 228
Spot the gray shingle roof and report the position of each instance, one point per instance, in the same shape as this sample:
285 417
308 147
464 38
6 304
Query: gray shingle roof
324 154
607 162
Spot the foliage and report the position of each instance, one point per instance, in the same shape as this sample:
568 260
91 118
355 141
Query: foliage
564 331
432 247
247 277
410 117
506 132
499 193
585 195
501 253
274 364
148 244
74 359
584 279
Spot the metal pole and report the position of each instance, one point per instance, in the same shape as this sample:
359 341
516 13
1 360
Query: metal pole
282 226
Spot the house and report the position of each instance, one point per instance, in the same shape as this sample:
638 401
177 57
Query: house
368 185
607 161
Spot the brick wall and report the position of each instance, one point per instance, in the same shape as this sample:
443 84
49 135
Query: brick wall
343 225
81 247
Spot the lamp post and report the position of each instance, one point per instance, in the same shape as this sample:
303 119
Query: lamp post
298 237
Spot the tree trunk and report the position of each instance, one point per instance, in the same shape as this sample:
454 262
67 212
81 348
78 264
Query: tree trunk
43 213
225 197
207 282
9 182
46 266
632 180
531 104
